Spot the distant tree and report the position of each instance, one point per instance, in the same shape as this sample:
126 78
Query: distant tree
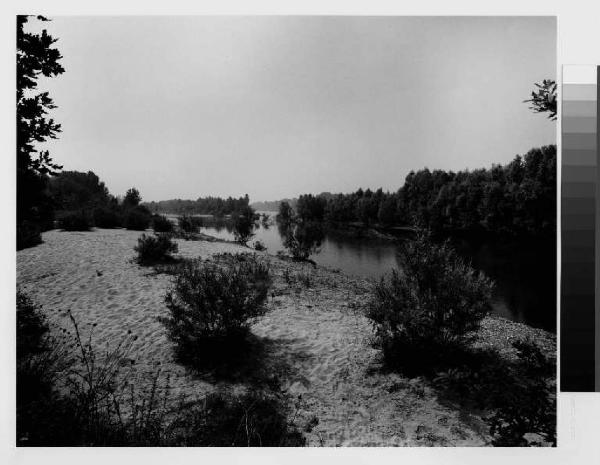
311 208
244 222
302 238
73 190
35 57
132 198
543 100
286 213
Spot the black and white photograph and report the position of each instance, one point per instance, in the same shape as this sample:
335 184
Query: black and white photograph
286 231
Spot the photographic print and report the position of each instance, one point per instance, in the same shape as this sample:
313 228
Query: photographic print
286 231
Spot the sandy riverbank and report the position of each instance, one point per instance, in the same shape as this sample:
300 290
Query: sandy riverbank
317 343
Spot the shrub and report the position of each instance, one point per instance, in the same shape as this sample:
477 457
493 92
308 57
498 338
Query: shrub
304 279
137 219
75 221
95 403
265 220
108 218
243 225
189 223
253 419
258 245
302 238
31 327
435 305
161 223
154 249
40 362
213 302
287 276
28 235
527 415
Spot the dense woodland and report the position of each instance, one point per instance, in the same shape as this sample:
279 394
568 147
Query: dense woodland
201 206
514 199
272 205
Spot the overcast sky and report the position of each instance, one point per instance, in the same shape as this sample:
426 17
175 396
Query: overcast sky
183 107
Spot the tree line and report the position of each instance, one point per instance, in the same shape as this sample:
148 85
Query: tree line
518 198
202 206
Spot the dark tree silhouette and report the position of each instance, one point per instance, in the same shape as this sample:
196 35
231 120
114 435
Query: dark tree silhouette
202 206
311 208
302 238
35 56
74 190
285 214
244 222
543 100
132 198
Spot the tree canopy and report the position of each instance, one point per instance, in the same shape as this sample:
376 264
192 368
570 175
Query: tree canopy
36 56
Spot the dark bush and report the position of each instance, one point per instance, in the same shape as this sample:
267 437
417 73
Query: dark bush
254 419
154 249
527 414
215 301
31 327
62 403
137 219
28 235
285 214
161 223
302 238
189 223
40 362
258 245
432 307
75 221
108 218
244 222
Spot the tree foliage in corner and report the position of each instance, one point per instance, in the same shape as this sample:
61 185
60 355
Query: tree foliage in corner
543 100
35 56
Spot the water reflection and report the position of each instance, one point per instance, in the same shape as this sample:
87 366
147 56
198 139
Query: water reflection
525 274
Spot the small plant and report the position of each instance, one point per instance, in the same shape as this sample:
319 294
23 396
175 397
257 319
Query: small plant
434 305
259 246
75 221
287 276
161 224
137 219
254 419
154 249
265 220
304 279
212 302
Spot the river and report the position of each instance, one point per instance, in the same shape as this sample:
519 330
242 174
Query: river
525 274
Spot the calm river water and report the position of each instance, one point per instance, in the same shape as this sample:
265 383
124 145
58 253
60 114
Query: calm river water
525 274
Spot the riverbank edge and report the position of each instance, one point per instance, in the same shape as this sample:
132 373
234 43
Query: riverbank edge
526 330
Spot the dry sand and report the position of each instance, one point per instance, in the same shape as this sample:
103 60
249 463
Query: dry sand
317 343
